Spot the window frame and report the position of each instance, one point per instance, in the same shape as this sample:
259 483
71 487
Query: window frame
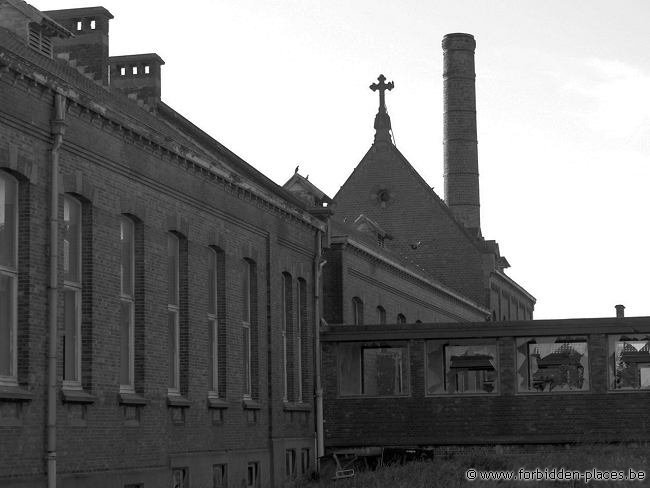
12 273
381 315
213 320
173 310
130 299
301 310
247 316
357 311
287 306
76 288
444 366
612 342
559 339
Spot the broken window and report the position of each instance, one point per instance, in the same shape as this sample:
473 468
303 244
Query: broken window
629 362
460 367
373 369
552 364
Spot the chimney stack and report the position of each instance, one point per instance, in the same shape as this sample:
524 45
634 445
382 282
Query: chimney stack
460 142
137 76
87 50
620 311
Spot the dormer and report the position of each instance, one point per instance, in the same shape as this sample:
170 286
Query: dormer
36 29
369 226
306 190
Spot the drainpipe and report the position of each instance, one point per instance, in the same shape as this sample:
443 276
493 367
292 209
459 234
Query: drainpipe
318 267
58 130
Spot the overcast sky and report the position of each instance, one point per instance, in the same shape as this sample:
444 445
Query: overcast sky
563 100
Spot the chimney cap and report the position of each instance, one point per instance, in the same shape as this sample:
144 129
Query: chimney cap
620 311
136 58
78 12
458 41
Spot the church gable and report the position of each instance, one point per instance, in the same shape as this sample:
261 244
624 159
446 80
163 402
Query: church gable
385 188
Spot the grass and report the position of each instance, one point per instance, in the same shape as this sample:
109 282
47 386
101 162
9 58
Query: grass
449 471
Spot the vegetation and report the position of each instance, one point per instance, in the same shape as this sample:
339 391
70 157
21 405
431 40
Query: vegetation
448 471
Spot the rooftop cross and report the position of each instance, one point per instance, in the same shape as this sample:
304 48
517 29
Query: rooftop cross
382 87
382 120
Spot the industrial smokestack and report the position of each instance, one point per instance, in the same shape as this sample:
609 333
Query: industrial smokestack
620 311
460 142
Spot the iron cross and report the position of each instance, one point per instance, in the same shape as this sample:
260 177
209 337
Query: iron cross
382 87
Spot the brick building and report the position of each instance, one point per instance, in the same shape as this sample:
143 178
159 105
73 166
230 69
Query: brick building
146 273
160 299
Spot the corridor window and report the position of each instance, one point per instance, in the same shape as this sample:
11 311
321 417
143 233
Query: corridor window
373 369
552 364
460 368
629 362
8 277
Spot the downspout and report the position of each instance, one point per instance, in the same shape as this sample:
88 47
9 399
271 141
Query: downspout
318 267
58 130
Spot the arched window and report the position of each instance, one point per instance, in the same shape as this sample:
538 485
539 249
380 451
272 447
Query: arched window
401 319
72 291
287 335
8 278
357 311
173 308
216 332
249 328
127 303
381 315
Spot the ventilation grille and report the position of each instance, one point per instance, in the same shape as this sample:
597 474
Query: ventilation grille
40 43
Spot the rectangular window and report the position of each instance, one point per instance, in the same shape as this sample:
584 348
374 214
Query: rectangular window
173 330
247 279
552 364
305 461
461 368
373 370
71 292
629 362
290 463
8 278
180 478
127 279
253 475
220 476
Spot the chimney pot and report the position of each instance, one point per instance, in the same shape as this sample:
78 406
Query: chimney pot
620 311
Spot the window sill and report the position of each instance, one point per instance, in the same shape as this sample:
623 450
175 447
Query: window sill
15 393
127 398
249 404
77 396
297 407
214 402
178 401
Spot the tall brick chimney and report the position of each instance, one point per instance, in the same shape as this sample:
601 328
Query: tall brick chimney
87 50
460 142
138 76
